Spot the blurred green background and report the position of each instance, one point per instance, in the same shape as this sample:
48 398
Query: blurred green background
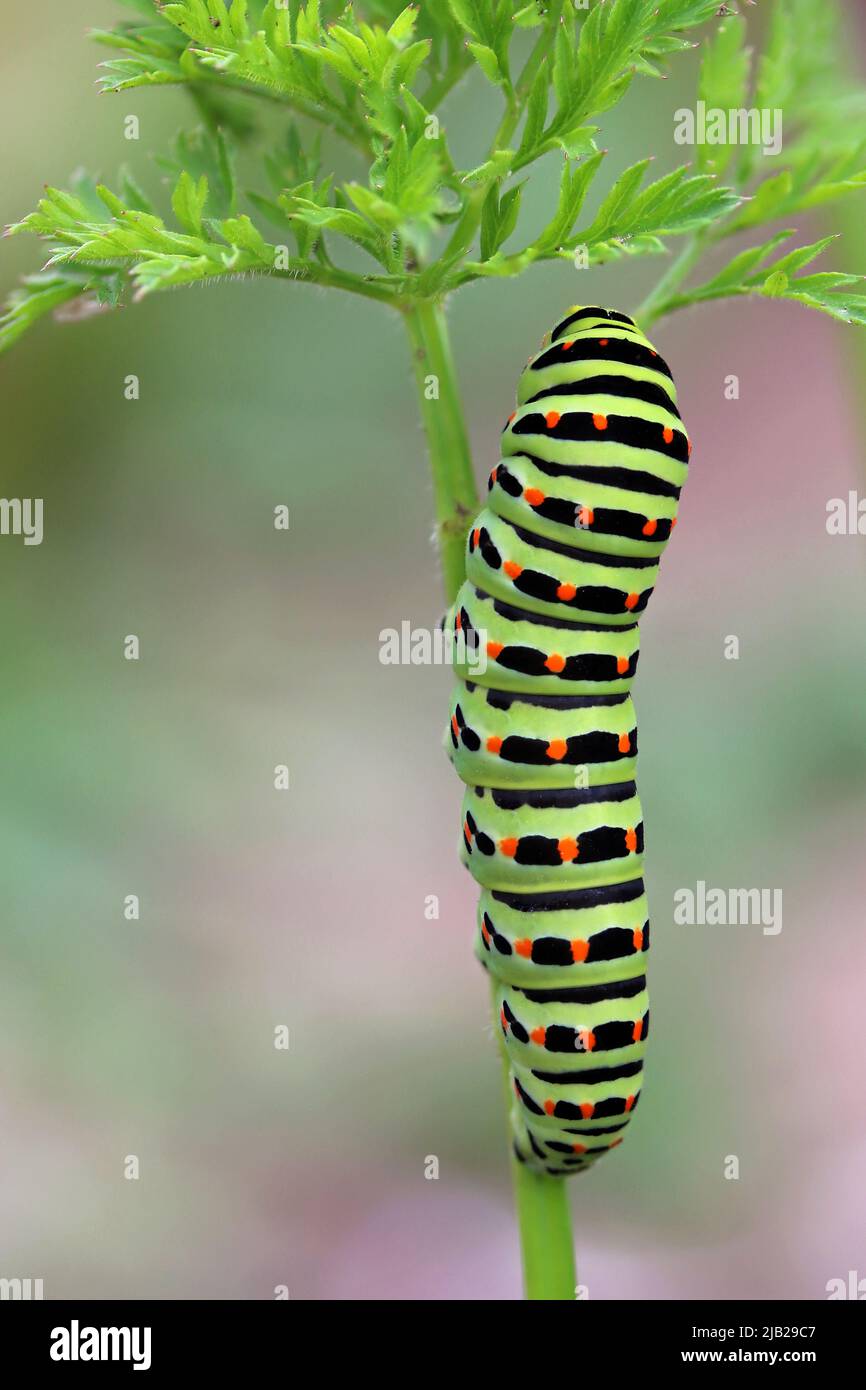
305 1168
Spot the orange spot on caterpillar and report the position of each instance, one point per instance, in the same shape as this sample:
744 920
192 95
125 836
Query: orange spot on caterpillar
511 416
549 1107
503 1020
567 344
557 749
637 1031
524 948
512 569
517 1090
555 663
534 496
552 419
600 422
614 1144
485 933
649 528
629 1103
630 840
466 831
624 743
637 938
688 448
631 600
587 516
587 1038
476 535
508 847
587 1109
667 435
568 850
673 522
493 649
579 951
458 621
579 1148
494 743
621 665
455 726
566 592
602 342
538 1035
493 473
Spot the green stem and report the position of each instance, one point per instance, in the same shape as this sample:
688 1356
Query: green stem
378 288
447 81
517 94
543 1215
347 125
442 414
656 302
541 50
849 219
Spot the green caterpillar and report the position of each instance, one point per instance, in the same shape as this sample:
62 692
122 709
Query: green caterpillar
560 565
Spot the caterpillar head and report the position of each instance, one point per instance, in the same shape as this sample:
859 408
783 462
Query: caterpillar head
581 316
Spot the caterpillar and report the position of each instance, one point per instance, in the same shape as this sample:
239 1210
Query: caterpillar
560 565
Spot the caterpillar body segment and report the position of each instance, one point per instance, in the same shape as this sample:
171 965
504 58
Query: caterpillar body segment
544 743
536 656
541 841
537 937
556 580
555 506
560 564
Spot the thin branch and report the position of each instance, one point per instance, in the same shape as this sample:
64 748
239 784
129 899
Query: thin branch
447 441
654 306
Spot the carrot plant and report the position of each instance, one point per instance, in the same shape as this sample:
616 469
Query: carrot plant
413 226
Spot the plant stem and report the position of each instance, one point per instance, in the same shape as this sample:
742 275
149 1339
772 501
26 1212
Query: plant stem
344 124
849 218
543 1215
440 89
541 50
517 94
655 303
442 414
375 287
